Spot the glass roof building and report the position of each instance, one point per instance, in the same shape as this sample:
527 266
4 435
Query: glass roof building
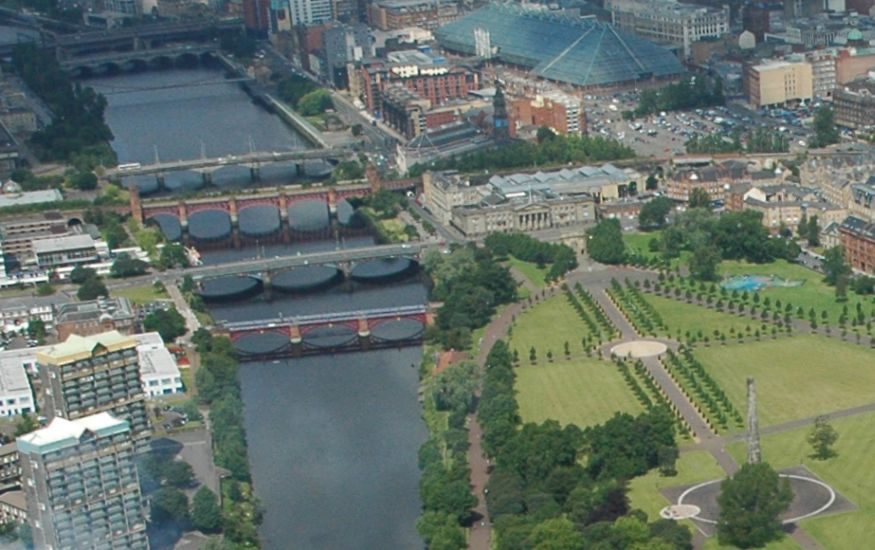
582 52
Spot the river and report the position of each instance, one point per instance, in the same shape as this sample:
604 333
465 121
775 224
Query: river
333 440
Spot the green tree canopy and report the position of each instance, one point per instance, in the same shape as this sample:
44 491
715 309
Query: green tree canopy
751 502
125 266
166 322
91 289
654 213
205 513
822 438
605 242
699 198
825 131
169 505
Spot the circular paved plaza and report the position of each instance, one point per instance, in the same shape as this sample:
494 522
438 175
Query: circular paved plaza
638 349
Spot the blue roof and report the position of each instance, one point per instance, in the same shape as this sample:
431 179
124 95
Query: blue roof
583 52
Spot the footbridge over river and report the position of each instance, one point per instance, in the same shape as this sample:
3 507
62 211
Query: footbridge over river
295 336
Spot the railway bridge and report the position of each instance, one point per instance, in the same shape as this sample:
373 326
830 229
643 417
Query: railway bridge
295 336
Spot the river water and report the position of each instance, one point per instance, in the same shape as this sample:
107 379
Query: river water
333 439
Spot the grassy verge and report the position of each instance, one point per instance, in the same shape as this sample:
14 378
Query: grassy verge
681 318
141 294
536 275
546 326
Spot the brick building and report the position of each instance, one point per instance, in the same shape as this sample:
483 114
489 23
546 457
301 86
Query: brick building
858 241
560 112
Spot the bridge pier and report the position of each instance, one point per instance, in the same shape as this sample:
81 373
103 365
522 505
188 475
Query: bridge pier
255 173
296 341
159 177
299 169
364 334
207 177
266 285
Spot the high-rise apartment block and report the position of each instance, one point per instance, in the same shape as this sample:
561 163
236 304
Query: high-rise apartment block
81 485
86 375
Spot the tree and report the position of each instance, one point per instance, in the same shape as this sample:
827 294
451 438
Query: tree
91 289
703 263
654 213
36 329
81 274
44 289
651 182
166 322
699 198
821 438
825 131
84 181
25 425
751 502
440 531
178 473
205 513
172 255
125 266
315 102
605 242
834 265
812 231
169 505
555 534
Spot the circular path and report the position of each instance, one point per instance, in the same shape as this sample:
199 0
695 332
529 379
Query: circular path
638 349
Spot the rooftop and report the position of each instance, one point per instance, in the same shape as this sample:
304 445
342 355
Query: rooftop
583 52
115 308
62 433
13 378
857 226
78 347
585 179
155 359
16 499
68 242
30 197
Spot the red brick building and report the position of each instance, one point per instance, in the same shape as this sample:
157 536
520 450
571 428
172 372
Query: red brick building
562 113
435 85
858 241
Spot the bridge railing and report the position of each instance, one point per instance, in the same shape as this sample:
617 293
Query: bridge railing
325 317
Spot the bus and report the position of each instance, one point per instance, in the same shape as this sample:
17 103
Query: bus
129 166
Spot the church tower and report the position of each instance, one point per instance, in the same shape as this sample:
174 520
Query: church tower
499 114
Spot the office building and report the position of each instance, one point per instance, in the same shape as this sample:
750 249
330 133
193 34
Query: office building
10 472
81 485
16 395
86 375
670 22
773 82
388 15
562 113
158 369
63 251
309 12
256 16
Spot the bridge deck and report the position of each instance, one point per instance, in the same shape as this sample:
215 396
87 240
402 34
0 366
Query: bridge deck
320 318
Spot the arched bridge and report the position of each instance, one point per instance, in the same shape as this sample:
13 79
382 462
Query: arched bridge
139 58
327 333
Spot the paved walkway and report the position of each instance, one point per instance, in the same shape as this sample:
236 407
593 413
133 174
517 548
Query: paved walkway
191 320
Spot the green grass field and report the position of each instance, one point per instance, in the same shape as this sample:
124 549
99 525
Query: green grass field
688 317
577 391
692 466
851 473
640 242
531 271
796 377
814 293
140 294
547 326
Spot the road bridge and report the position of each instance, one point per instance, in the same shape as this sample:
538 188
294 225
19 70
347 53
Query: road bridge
335 257
140 37
327 332
253 160
139 58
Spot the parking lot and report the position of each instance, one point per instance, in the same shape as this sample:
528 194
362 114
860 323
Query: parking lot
664 134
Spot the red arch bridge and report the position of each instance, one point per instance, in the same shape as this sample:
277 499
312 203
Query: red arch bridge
300 335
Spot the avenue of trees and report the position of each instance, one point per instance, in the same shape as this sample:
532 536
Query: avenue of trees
304 95
551 149
471 284
690 93
219 388
559 257
78 132
751 502
563 487
758 141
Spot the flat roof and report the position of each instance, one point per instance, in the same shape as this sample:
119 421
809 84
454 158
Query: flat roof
78 347
62 433
30 197
13 377
155 359
16 499
115 308
67 242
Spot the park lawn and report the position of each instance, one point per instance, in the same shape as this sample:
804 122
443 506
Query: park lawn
785 543
814 293
692 466
640 242
851 473
688 317
577 391
141 294
547 326
537 275
796 377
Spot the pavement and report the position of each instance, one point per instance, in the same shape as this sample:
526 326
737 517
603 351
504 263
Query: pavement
191 320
